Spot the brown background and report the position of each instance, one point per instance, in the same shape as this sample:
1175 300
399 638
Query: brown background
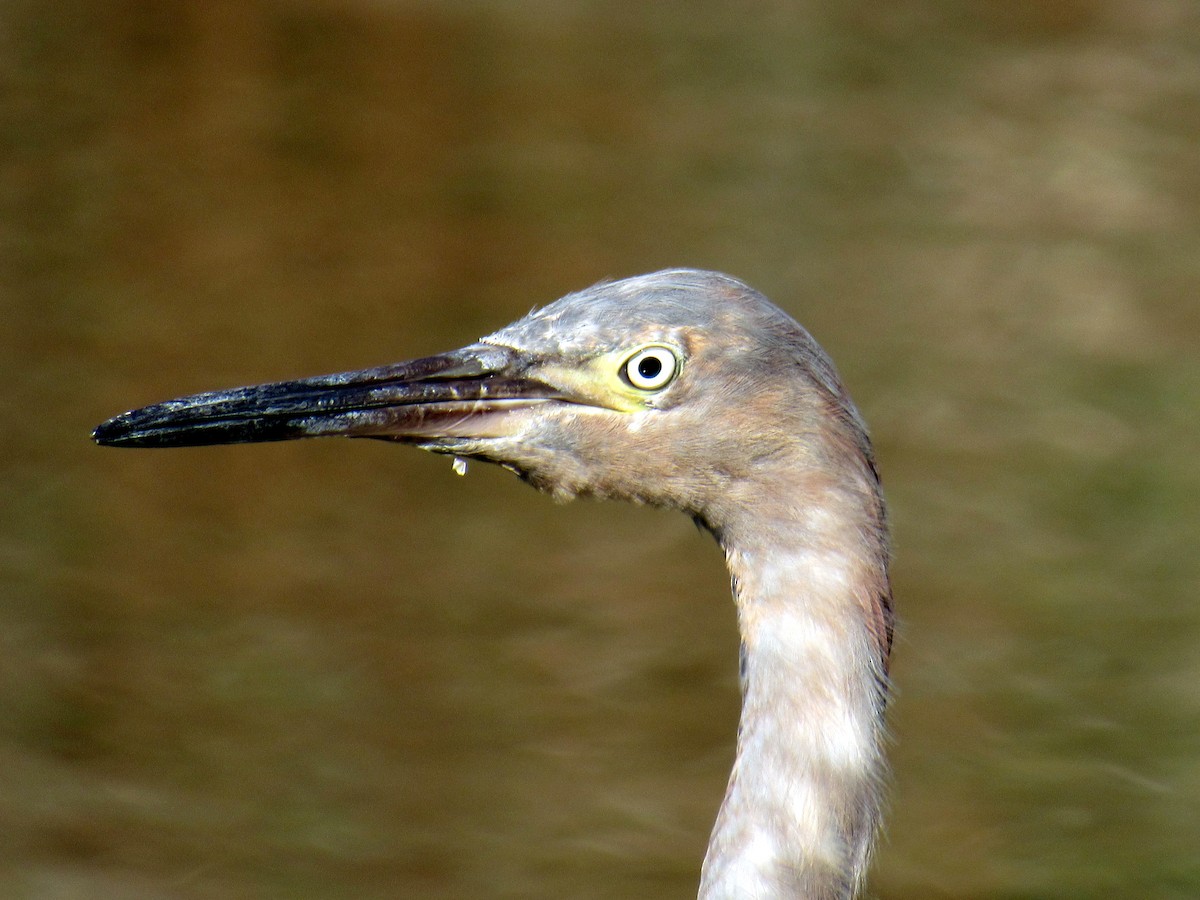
334 669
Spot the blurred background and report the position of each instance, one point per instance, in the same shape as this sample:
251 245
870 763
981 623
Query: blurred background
334 669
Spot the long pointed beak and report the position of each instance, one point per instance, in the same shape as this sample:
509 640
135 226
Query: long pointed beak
467 393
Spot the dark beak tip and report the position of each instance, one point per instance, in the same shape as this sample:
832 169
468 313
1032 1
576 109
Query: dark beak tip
105 434
102 439
122 431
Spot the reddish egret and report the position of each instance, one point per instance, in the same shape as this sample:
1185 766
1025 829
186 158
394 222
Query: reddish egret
683 389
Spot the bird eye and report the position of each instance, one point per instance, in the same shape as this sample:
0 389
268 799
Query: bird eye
651 368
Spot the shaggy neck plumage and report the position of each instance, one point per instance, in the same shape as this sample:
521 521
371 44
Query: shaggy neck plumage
803 801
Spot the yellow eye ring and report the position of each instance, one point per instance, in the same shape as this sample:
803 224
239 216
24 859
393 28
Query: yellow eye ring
651 368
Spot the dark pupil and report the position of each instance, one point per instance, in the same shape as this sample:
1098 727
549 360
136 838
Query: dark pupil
649 367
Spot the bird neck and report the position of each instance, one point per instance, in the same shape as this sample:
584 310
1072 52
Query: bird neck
803 802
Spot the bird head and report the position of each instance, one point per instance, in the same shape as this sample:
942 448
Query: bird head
670 389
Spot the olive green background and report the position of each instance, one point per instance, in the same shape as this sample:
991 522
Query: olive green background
333 669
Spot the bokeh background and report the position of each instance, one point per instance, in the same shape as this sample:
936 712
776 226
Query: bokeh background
334 669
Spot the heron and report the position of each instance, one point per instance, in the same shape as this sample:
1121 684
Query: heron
684 389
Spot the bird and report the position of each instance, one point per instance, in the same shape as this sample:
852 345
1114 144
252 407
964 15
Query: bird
690 390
